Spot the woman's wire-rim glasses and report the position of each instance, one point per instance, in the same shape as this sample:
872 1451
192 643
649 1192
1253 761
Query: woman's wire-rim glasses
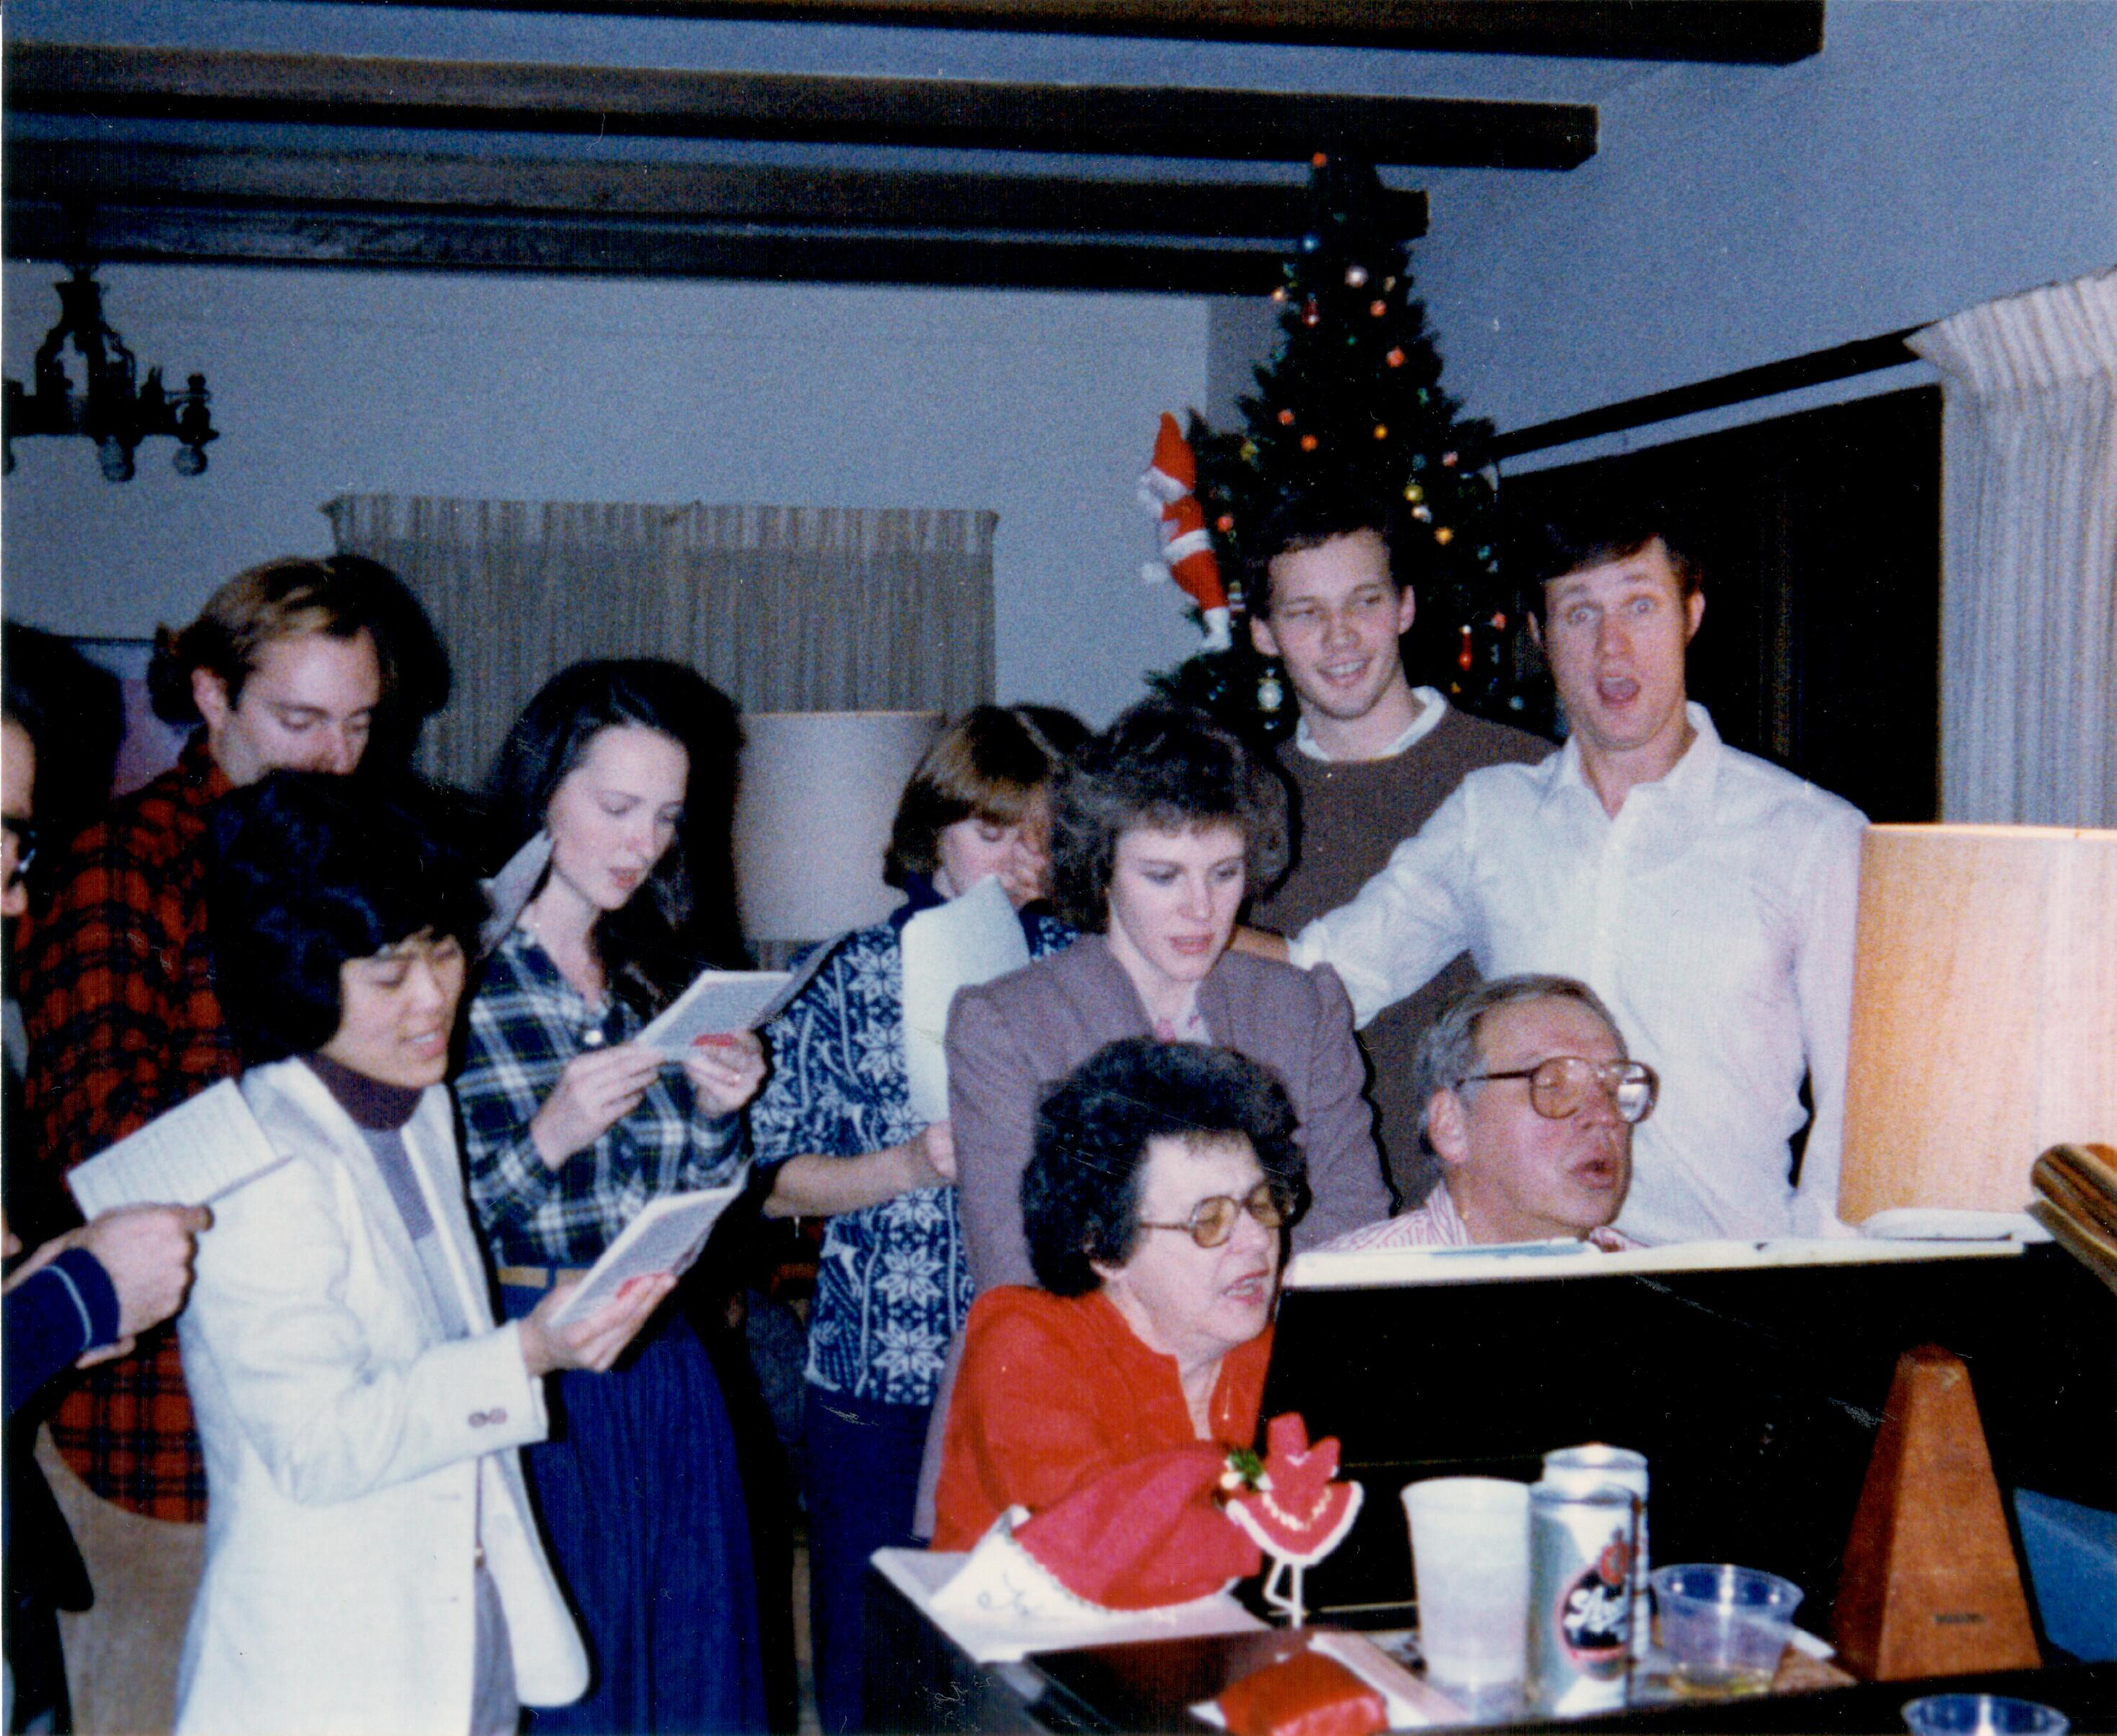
1212 1219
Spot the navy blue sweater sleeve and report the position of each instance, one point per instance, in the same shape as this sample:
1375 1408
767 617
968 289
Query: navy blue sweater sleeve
56 1314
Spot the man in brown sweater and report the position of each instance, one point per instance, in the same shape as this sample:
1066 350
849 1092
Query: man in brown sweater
1370 758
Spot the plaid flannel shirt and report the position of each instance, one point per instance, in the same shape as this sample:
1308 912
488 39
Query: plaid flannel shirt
526 1023
124 1025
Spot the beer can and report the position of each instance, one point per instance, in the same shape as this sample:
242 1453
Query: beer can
1583 1468
1580 1596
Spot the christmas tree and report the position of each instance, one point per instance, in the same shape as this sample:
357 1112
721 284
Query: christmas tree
1351 402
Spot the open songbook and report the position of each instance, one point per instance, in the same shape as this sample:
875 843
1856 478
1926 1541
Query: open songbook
207 1146
722 1001
667 1235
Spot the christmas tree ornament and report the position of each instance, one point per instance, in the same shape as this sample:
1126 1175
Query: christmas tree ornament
1448 460
1310 243
1499 623
1443 536
1320 160
1423 514
1308 443
1248 448
1286 418
1377 308
1271 695
1278 292
1395 359
1463 658
1311 313
1381 430
1389 283
1224 523
1413 492
1355 276
1166 489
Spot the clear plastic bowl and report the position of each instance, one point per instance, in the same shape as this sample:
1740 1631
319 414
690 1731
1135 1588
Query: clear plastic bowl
1982 1715
1724 1627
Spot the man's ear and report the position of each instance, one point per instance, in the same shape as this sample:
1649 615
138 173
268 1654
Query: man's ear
1407 609
1447 1130
210 695
1694 609
1536 629
1261 637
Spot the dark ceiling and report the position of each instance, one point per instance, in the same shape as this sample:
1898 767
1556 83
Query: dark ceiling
245 153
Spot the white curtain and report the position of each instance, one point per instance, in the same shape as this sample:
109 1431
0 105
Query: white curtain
785 609
2029 578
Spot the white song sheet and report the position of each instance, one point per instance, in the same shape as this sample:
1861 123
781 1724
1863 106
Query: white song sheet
968 940
507 893
667 1235
207 1146
722 1001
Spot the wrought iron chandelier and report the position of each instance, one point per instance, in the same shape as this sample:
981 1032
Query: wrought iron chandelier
113 409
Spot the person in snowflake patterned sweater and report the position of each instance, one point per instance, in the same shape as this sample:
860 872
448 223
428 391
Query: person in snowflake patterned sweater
836 1119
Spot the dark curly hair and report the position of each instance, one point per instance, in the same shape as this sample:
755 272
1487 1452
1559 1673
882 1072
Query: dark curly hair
1166 766
306 870
653 946
1080 1194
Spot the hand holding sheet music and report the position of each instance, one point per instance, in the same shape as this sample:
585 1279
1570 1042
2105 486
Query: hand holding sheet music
719 1003
667 1235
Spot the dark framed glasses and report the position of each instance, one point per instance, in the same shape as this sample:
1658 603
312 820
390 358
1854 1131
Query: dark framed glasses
25 834
1212 1220
1560 1087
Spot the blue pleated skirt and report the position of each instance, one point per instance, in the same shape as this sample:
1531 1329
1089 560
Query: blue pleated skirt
643 1512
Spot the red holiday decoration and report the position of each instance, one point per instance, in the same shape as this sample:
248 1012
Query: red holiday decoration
1187 548
1307 442
1298 1512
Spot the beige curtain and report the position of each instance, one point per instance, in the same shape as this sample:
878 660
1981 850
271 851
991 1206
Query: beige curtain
2029 581
784 608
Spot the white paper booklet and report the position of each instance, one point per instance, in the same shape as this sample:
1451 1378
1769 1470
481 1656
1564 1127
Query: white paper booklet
507 893
668 1235
719 1003
205 1146
967 941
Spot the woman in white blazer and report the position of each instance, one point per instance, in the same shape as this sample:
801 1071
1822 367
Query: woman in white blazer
371 1561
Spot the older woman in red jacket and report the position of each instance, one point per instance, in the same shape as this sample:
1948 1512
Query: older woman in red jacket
1163 1178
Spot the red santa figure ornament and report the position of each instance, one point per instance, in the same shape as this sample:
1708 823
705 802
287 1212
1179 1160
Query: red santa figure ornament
1166 489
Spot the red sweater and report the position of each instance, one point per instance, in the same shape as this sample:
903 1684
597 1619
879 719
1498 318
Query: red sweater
1057 1390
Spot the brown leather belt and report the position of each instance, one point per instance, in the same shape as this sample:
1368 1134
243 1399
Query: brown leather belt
538 1278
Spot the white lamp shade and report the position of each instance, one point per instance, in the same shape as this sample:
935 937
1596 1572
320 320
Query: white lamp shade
1984 1012
812 818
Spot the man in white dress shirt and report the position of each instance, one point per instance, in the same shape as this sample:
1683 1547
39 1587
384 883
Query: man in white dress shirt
1707 897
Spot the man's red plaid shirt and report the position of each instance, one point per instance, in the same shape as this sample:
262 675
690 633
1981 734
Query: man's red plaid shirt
123 1024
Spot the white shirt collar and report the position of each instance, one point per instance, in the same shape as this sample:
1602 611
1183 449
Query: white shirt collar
1689 781
1431 707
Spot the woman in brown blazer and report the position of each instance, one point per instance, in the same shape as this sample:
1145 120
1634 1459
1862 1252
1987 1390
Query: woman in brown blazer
1163 825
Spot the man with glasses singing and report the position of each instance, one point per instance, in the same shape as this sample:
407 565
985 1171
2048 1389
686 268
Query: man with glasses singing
1528 1102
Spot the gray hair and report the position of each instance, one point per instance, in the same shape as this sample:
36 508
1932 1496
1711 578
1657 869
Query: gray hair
1449 1054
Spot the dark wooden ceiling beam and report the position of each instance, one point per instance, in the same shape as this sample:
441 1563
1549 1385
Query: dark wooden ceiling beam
1257 126
87 172
1767 32
628 247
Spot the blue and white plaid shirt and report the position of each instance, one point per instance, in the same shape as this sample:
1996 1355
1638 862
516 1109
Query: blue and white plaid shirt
526 1023
893 1284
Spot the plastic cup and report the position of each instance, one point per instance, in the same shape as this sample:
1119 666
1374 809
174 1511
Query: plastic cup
1982 1715
1470 1551
1724 1627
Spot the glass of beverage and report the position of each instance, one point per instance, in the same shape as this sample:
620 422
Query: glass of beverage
1982 1715
1724 1627
1469 1550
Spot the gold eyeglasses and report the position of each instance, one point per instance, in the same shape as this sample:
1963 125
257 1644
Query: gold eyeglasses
1212 1220
1558 1087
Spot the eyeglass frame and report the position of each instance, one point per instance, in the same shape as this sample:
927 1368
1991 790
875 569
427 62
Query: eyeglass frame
1608 1074
1282 1209
27 837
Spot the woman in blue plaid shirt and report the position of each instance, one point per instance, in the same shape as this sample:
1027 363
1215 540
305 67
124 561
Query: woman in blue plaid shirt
836 1118
570 1127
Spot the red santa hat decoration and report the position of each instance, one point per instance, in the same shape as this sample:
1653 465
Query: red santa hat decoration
1166 490
1297 1511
